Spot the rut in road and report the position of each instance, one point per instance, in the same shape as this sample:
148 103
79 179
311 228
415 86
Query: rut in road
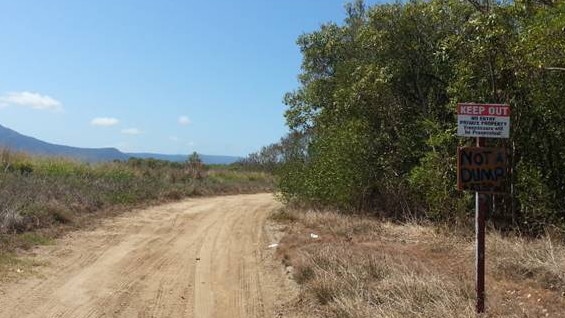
197 258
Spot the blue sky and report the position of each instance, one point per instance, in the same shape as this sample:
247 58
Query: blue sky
165 76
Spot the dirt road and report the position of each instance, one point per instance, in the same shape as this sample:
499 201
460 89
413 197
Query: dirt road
197 258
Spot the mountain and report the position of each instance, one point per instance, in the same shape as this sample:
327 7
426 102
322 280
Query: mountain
15 141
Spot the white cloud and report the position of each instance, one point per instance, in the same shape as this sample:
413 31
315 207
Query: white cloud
174 138
104 121
131 131
184 120
31 100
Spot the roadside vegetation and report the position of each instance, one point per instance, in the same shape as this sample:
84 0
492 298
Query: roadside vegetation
373 139
358 266
41 196
373 122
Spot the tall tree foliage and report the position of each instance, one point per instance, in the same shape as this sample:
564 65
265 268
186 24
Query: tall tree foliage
375 106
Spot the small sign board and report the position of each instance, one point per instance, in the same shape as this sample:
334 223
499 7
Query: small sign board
482 169
483 120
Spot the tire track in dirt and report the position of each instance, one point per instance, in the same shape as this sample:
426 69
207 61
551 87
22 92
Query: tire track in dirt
196 258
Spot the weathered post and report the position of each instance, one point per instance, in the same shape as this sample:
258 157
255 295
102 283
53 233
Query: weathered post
481 207
482 170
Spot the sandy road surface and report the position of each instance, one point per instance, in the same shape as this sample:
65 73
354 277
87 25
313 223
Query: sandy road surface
197 258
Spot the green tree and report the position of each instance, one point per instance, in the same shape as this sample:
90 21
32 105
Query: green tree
376 107
194 166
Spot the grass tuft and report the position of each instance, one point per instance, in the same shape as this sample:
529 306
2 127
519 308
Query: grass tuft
283 215
540 260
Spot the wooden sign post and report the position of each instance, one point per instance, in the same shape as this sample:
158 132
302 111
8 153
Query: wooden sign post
482 170
481 207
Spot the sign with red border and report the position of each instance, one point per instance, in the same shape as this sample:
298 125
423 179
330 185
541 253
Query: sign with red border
483 120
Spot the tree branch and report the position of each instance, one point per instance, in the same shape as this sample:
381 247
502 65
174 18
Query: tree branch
551 68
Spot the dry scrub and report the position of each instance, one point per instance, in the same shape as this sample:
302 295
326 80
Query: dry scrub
42 195
361 267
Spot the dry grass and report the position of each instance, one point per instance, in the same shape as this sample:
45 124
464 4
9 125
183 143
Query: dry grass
48 195
16 267
542 261
361 267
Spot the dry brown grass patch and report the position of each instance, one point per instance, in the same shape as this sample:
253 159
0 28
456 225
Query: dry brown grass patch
361 267
542 261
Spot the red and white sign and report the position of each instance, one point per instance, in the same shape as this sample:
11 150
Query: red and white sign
483 120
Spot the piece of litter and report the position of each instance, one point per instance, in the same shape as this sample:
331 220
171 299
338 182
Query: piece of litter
19 270
289 269
314 236
273 245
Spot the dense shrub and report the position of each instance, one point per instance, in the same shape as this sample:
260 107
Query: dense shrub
373 121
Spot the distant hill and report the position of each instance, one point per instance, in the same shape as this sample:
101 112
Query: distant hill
207 159
15 141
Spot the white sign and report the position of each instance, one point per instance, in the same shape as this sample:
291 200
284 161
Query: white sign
483 120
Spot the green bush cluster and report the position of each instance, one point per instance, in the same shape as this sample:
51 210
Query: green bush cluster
373 123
